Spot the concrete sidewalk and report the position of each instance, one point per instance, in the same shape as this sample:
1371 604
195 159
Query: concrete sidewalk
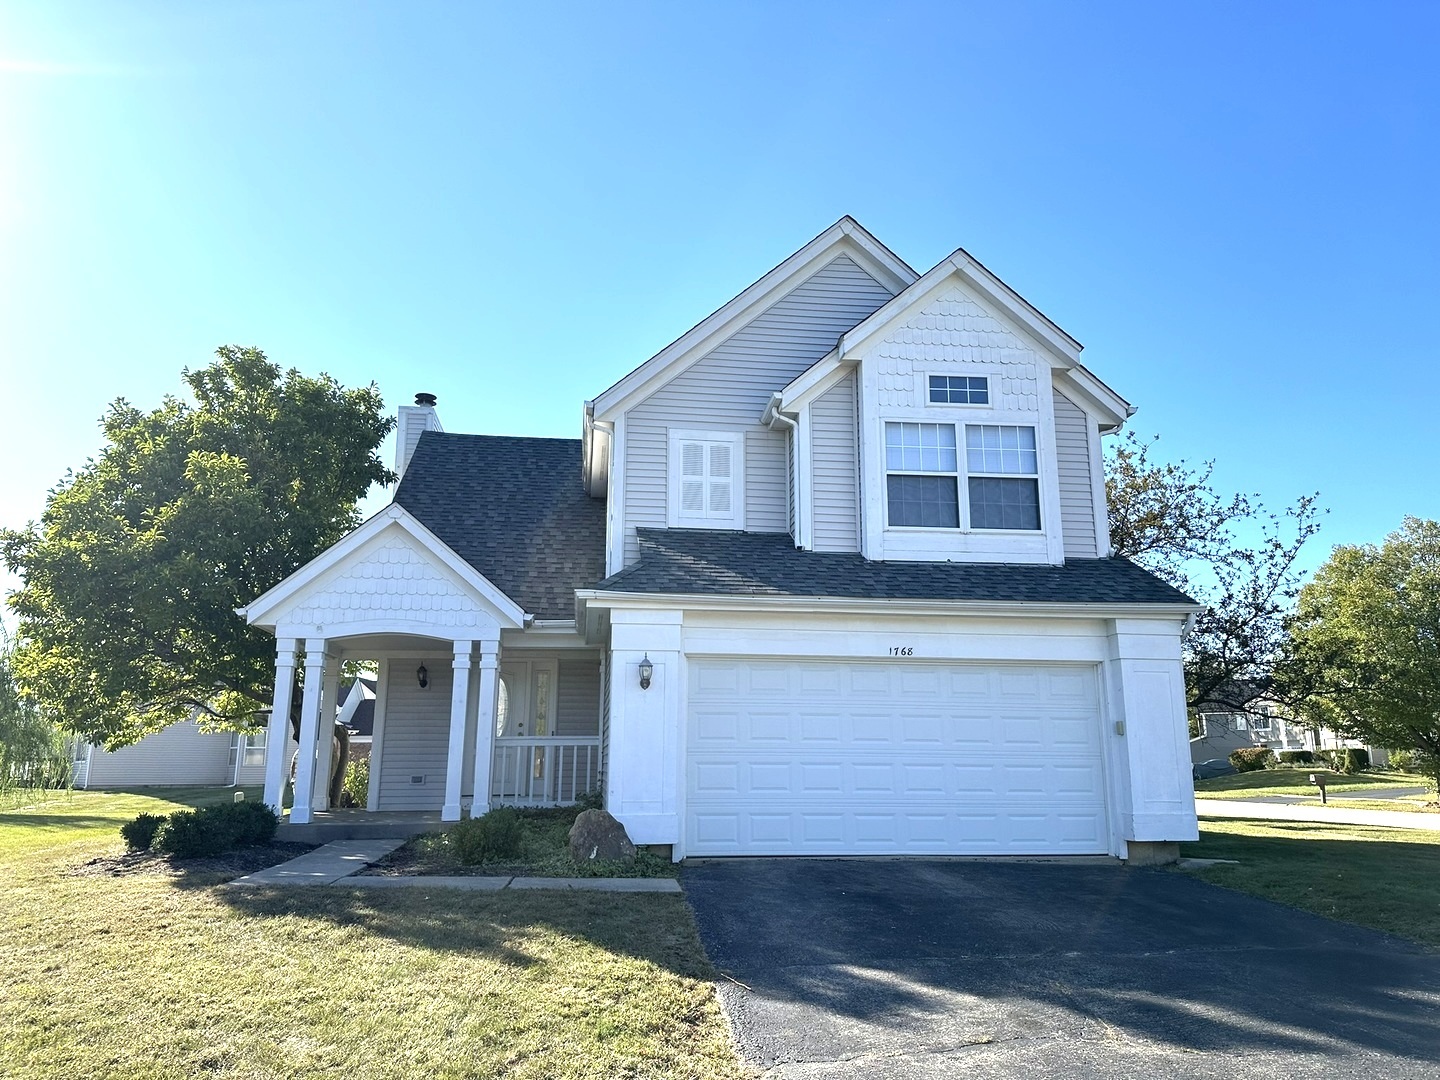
1333 814
325 865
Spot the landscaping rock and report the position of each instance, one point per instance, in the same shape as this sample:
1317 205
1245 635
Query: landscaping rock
596 836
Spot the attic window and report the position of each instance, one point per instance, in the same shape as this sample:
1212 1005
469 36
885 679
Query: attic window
706 471
959 389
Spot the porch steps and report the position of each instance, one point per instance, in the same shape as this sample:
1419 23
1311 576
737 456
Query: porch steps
329 826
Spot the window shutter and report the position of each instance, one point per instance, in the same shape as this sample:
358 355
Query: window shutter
721 481
692 477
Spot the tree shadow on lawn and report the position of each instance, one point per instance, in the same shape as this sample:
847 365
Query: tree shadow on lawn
945 952
651 927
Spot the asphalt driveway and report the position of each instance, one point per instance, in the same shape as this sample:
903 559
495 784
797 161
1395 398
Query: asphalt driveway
921 968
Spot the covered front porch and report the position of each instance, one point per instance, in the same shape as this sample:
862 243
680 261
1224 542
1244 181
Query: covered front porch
477 704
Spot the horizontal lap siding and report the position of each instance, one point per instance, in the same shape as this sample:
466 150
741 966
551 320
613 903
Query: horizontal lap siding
416 736
181 754
577 705
727 391
834 464
1077 494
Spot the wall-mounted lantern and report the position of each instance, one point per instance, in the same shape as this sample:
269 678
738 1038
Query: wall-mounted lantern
647 669
423 677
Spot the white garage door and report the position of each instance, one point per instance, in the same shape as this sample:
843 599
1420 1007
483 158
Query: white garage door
840 758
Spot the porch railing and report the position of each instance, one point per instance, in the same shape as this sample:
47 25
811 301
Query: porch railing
548 771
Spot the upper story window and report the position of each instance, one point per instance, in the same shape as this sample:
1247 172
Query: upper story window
1002 473
705 480
959 390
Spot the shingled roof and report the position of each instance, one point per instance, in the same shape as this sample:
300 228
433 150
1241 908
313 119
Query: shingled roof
714 563
513 508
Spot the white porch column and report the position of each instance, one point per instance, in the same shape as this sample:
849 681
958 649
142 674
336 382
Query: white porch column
455 756
277 741
325 731
309 725
488 702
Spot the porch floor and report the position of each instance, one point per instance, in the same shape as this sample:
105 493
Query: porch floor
354 823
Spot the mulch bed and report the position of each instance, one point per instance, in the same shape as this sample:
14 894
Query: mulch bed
231 864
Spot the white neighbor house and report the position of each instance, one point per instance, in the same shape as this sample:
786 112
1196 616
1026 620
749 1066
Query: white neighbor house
183 754
828 575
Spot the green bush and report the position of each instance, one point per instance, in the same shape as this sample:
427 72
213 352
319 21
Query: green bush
590 800
1351 760
1250 758
356 790
495 835
1297 757
139 833
213 830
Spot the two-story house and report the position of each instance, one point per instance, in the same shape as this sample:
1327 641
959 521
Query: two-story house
828 575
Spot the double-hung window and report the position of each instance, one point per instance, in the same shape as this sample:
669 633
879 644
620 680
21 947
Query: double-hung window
1001 476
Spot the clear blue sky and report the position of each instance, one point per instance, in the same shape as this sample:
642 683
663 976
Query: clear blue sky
1232 205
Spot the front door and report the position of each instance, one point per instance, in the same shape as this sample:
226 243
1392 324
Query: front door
524 714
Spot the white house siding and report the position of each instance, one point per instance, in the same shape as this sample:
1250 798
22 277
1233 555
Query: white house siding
604 720
181 754
728 388
790 494
577 698
1077 492
416 736
834 463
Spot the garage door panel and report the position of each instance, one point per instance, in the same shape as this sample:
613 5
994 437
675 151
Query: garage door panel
927 758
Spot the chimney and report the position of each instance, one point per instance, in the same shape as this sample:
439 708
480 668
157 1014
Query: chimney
414 419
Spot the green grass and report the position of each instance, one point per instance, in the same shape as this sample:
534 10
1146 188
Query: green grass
1377 877
157 976
544 852
1296 781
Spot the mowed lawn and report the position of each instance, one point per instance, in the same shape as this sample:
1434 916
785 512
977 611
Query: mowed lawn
1296 781
156 976
1377 877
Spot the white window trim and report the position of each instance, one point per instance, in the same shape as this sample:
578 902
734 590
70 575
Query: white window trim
963 489
991 377
674 518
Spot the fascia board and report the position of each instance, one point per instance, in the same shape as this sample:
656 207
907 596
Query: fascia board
256 612
830 604
844 237
1062 350
1094 397
815 381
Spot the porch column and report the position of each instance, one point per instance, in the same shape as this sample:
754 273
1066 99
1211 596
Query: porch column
325 731
455 757
277 740
309 725
485 723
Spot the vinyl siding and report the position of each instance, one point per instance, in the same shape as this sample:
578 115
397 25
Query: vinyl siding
417 736
604 720
727 391
181 754
835 468
577 701
1073 432
790 496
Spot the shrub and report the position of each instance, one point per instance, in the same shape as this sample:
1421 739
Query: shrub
590 800
357 782
215 829
1352 759
1250 758
139 833
1297 757
495 835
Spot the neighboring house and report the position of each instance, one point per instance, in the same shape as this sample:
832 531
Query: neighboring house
830 574
1223 731
181 755
357 715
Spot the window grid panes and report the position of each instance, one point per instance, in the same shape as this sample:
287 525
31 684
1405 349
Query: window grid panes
960 389
923 471
930 499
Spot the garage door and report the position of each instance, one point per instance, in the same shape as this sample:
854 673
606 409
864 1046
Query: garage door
829 758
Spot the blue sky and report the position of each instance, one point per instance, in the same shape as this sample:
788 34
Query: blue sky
1232 205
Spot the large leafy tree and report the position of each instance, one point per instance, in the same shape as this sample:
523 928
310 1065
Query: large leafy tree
1365 643
132 575
1232 554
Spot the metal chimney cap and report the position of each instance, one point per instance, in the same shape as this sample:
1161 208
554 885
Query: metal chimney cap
425 399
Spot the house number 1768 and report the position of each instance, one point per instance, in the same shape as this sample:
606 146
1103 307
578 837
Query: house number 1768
902 650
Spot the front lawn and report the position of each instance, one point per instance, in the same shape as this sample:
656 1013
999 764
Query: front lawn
157 976
1377 877
1295 780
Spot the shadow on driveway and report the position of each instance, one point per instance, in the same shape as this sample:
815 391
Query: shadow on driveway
914 968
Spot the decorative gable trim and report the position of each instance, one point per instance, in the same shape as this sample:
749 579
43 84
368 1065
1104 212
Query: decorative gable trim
430 608
845 237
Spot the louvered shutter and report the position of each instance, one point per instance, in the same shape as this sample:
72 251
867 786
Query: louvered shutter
692 478
721 483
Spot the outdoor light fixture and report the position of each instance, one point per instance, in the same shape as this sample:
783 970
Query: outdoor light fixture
646 670
422 675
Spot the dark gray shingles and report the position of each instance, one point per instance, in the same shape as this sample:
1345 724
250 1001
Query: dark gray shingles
513 508
716 563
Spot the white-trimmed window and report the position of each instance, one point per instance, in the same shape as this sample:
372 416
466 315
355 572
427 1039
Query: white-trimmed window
253 748
959 389
923 474
705 480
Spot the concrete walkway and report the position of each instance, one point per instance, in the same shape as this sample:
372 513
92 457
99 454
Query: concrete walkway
1334 814
336 863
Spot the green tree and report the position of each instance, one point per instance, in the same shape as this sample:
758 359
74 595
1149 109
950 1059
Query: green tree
1364 657
33 752
132 576
1227 551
